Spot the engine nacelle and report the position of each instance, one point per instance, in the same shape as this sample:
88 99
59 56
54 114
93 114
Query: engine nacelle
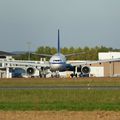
85 70
30 71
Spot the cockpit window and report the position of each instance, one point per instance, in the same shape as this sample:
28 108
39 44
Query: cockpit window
57 60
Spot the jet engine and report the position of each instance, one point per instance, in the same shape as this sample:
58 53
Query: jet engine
30 71
85 70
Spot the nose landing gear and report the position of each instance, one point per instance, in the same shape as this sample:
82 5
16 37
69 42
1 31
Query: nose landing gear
55 74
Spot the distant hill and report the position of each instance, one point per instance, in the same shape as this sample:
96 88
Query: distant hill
5 53
19 52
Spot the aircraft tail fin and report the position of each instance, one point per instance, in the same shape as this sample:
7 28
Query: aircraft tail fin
58 49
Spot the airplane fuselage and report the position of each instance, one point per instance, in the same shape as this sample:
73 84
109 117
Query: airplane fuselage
57 62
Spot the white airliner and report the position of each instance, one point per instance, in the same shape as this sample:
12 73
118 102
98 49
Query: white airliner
56 64
58 61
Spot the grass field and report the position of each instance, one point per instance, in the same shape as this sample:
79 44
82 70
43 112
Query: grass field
71 100
58 82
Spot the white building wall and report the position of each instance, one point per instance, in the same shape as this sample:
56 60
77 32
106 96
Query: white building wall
108 55
97 71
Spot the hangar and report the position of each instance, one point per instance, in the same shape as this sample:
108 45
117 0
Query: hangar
110 69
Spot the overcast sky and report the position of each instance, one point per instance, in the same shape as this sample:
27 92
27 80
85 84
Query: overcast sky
81 23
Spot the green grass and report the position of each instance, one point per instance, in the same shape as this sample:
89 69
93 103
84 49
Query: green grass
60 82
73 100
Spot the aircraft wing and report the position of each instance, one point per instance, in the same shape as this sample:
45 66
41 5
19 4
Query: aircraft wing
74 54
22 53
78 63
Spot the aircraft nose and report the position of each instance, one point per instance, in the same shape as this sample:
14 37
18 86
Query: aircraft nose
57 67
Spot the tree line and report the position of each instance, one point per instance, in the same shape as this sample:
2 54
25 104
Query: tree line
86 53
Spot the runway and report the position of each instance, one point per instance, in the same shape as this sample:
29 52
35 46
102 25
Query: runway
59 87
